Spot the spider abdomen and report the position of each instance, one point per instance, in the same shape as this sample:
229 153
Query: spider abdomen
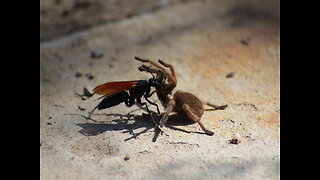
191 100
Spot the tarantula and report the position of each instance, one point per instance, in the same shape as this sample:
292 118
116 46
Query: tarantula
183 103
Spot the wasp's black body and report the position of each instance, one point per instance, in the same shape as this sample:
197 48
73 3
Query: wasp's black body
142 88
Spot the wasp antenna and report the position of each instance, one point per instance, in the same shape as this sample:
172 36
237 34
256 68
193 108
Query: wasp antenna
152 74
145 68
148 70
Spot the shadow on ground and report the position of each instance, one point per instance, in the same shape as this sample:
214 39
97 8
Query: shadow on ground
130 123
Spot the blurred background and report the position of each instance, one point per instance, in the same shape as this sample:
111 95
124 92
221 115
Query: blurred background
62 17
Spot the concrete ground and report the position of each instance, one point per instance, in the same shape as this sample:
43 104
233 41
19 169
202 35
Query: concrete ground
225 52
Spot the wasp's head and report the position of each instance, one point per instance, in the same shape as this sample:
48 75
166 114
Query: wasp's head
154 82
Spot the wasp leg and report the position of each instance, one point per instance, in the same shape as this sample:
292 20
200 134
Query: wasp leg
144 103
90 113
146 97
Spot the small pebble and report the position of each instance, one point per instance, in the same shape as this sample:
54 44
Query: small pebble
245 41
236 139
96 54
81 107
79 74
237 136
230 75
89 76
126 158
49 123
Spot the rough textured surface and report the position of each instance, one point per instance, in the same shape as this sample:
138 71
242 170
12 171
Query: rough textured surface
62 17
205 41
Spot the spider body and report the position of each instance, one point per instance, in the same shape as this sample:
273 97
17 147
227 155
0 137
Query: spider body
183 99
183 103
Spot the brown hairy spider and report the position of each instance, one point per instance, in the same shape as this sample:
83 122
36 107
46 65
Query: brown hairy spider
182 102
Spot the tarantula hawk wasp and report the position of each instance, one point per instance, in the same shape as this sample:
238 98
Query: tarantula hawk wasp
114 93
181 102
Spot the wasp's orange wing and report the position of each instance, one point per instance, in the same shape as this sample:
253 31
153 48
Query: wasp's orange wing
110 88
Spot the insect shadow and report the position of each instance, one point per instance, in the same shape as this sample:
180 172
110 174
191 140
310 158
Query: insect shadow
128 122
131 122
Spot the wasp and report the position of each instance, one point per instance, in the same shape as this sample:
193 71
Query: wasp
129 92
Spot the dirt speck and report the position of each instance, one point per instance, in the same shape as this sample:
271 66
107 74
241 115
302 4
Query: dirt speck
126 158
96 54
90 76
230 75
245 41
81 107
79 74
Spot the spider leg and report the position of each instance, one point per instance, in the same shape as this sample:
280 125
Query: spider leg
172 76
195 118
160 75
169 109
222 107
152 63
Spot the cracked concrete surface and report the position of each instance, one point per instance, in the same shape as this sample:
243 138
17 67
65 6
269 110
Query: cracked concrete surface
204 41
